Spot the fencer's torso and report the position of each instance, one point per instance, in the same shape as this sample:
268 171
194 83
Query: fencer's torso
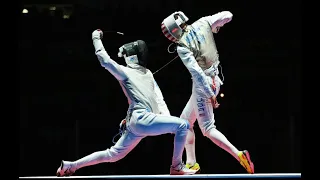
139 89
199 39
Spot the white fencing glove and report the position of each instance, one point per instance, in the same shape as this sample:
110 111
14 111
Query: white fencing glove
97 34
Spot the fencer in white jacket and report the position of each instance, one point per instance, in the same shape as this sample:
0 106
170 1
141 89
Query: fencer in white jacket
147 114
197 49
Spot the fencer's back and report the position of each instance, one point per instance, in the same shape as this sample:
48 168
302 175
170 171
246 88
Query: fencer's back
199 36
139 89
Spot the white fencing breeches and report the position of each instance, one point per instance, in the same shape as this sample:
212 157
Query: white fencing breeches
141 124
200 108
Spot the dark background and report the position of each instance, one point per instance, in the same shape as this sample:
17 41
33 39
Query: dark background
70 106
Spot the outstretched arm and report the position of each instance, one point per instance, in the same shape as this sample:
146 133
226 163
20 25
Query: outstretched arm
160 100
219 19
113 67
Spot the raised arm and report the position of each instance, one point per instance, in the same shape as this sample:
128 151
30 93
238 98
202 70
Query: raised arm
113 67
160 100
219 19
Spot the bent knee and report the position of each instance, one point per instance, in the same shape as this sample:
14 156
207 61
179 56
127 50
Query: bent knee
206 131
185 125
116 154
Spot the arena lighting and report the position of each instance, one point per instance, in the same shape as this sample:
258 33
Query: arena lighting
66 9
25 11
66 16
52 8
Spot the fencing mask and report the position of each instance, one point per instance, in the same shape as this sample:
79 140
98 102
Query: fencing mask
134 53
170 26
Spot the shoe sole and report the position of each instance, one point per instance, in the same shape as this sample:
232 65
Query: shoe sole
197 170
181 174
249 161
246 162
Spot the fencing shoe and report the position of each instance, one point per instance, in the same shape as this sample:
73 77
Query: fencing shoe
181 169
66 169
245 161
195 166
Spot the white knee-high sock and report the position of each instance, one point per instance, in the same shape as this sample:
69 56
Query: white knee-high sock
179 142
109 155
190 147
220 140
